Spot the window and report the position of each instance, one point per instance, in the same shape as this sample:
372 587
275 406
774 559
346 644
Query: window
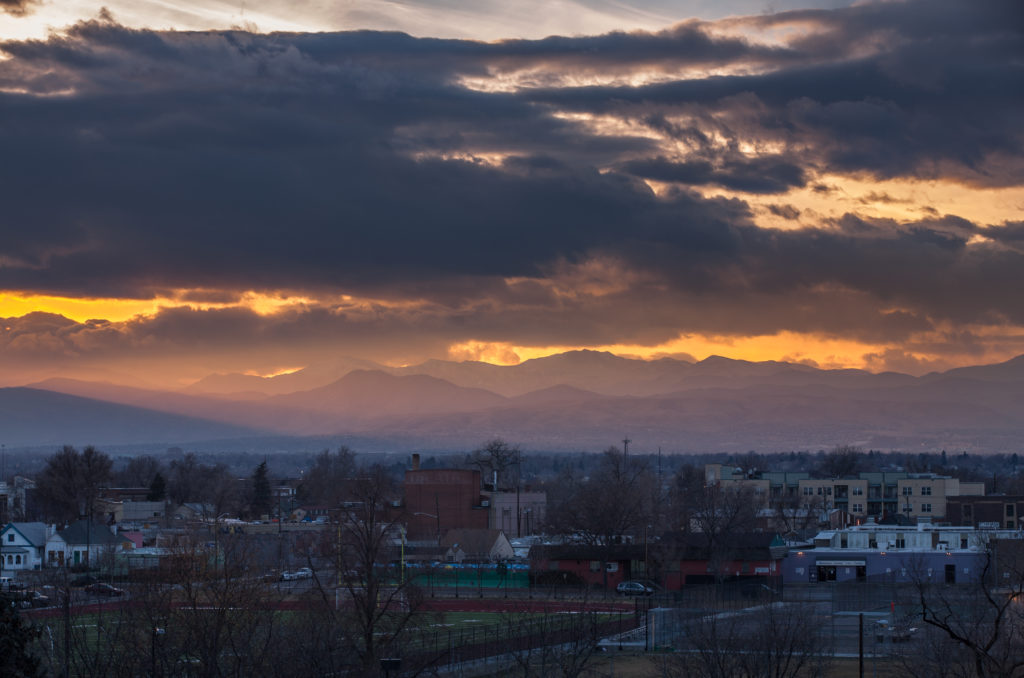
844 542
1009 510
595 565
828 490
17 560
907 491
926 508
10 536
857 508
808 490
858 491
926 491
901 542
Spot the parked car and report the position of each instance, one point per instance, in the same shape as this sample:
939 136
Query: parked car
302 573
102 589
84 580
634 588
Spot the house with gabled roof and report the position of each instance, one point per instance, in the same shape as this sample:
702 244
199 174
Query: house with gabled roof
477 545
84 542
22 545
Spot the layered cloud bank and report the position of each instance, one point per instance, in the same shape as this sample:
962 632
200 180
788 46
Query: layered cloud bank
850 179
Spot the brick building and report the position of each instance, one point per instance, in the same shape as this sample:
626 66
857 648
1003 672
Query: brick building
438 500
998 511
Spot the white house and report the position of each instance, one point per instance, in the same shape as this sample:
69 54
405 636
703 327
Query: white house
477 545
22 545
83 542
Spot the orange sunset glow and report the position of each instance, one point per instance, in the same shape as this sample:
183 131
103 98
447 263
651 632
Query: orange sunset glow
782 186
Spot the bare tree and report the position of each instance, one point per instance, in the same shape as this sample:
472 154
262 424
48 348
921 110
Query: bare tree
138 472
565 645
769 640
191 481
496 457
614 503
328 478
376 600
70 482
841 461
797 514
983 619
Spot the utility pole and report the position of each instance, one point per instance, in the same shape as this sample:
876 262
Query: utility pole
67 625
519 477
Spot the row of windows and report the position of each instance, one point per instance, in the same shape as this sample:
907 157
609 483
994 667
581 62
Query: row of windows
14 560
858 491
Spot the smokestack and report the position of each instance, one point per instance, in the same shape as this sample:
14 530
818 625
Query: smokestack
415 462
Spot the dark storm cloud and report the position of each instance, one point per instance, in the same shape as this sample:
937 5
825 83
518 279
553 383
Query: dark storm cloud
359 163
18 7
784 211
757 175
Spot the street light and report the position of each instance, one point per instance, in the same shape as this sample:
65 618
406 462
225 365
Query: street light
435 517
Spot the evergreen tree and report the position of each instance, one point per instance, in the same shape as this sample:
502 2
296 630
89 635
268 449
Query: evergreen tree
261 494
16 659
157 488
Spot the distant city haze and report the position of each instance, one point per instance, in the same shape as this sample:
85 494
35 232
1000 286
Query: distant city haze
578 401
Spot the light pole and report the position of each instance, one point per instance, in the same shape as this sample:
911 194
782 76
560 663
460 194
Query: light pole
435 517
647 572
401 529
519 478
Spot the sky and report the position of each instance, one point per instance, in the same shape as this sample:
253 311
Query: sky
259 186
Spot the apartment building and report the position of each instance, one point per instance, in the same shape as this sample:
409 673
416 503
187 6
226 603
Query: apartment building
910 497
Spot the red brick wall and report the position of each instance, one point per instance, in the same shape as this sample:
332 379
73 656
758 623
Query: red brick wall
451 494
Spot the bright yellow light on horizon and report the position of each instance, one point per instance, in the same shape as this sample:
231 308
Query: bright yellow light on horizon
273 373
14 304
785 346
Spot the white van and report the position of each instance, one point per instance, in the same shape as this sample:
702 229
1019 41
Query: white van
5 583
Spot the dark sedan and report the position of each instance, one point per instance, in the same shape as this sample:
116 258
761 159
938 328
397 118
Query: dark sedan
101 589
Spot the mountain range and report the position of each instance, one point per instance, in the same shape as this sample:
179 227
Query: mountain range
581 400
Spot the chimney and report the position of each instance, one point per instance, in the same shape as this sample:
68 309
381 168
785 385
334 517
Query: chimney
415 462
